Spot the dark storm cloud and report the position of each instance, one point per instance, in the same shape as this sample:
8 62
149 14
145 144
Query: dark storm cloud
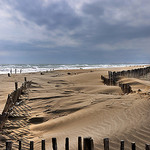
53 16
100 30
96 31
93 26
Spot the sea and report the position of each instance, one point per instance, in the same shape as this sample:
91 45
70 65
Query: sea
28 68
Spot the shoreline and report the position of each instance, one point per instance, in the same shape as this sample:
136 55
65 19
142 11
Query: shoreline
36 68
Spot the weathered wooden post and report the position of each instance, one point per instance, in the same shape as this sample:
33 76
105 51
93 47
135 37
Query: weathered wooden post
54 143
106 144
8 145
16 86
25 79
43 144
19 144
147 147
92 144
79 143
25 82
9 75
110 77
15 71
123 88
122 145
133 146
67 144
88 143
31 145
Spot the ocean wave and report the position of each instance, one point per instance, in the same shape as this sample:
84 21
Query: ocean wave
28 68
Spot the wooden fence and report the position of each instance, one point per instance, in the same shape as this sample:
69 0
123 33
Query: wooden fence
12 99
86 144
126 88
134 72
113 77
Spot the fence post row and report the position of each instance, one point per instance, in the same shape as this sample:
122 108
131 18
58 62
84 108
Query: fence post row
11 101
88 144
113 77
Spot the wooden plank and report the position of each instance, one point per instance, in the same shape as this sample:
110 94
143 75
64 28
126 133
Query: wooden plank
147 147
133 146
106 144
54 143
122 145
16 86
79 143
88 143
25 79
43 144
67 144
20 145
31 145
8 145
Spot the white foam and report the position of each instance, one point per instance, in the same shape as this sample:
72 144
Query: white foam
27 68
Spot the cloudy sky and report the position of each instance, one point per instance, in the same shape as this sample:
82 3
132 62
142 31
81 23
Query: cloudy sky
74 31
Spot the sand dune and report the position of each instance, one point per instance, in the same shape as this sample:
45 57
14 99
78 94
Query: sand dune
78 104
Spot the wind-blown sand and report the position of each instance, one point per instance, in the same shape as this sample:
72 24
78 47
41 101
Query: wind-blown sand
78 104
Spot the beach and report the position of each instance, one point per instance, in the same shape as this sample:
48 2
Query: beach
73 103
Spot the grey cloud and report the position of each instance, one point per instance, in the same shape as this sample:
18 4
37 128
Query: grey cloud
93 9
53 16
102 28
93 27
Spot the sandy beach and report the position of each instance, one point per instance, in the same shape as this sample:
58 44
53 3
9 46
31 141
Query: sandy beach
72 103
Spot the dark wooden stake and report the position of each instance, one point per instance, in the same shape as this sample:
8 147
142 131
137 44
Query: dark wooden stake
54 143
67 144
19 145
25 79
79 143
133 146
122 145
43 144
16 86
31 145
106 144
9 75
88 143
91 144
147 147
8 145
